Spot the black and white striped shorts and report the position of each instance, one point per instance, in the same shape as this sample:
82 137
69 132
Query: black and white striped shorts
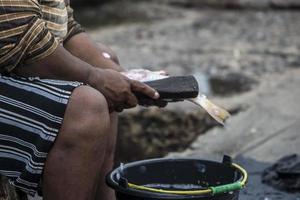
31 114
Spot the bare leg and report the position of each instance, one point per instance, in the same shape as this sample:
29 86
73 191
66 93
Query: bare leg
72 167
104 192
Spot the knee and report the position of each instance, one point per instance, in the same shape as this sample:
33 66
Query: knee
87 118
109 51
87 102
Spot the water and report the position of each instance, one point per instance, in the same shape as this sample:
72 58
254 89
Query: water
165 186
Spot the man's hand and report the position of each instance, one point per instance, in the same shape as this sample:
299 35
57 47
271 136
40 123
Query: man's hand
118 89
99 56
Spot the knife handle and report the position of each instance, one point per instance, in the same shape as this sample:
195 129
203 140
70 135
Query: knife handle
171 89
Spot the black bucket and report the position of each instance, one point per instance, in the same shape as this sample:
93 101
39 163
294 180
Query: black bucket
223 180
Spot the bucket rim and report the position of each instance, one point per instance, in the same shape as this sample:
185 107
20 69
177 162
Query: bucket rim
110 178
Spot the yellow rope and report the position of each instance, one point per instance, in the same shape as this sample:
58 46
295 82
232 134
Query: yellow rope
189 192
244 172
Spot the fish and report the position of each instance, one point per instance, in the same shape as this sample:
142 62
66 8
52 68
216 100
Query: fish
216 112
144 75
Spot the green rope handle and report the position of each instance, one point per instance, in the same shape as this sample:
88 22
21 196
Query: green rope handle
226 188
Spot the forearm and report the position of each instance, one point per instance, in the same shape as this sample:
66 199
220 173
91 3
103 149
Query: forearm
83 47
59 65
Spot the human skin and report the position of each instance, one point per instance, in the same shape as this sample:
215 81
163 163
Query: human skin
83 151
117 88
92 53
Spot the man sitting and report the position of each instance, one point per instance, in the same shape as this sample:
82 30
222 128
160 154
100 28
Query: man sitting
59 91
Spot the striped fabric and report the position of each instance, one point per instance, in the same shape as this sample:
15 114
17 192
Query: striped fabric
31 30
31 113
31 110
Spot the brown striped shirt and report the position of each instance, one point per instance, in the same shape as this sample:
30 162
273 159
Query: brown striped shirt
32 29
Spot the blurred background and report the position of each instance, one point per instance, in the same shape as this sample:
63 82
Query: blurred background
246 56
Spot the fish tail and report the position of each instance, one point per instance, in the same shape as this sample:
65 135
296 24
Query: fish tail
216 112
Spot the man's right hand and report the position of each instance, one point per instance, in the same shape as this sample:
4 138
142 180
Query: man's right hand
118 89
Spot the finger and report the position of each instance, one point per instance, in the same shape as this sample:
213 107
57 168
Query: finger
161 103
145 102
118 109
131 101
143 88
151 102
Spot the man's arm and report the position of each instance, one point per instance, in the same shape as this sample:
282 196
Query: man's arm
113 85
59 65
83 47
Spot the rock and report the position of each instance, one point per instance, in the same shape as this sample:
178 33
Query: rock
231 83
284 174
153 133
